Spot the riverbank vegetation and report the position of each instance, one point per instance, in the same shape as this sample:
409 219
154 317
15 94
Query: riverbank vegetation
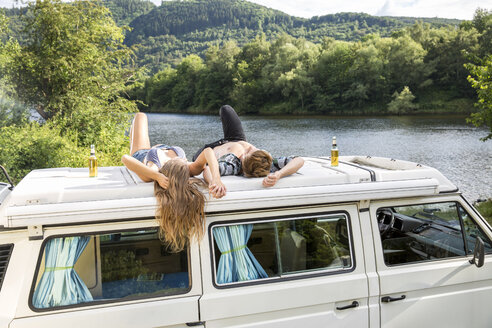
482 82
485 208
72 70
417 69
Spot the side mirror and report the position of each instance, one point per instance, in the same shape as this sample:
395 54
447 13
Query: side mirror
479 253
8 177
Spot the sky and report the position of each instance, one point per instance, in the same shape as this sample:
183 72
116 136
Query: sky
461 9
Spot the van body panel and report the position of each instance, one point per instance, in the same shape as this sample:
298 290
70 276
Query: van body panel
301 300
164 311
15 275
147 314
453 292
371 269
321 315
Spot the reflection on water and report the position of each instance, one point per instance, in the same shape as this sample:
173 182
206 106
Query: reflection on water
444 142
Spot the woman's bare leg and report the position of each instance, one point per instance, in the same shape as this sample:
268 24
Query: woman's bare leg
139 134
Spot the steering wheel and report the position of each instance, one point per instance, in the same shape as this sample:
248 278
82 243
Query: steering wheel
383 216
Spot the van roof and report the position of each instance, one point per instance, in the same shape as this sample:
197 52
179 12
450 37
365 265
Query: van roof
68 195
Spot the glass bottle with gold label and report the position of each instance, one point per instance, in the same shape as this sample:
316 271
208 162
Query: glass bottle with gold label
334 152
93 162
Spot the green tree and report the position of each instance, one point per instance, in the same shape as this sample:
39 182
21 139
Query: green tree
447 50
248 93
406 65
159 87
481 70
331 74
482 22
298 83
482 82
216 83
368 74
188 73
10 111
72 68
287 76
402 102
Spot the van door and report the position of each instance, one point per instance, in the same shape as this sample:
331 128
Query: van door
297 268
423 248
110 278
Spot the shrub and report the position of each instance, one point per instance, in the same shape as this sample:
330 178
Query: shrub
402 102
485 209
33 146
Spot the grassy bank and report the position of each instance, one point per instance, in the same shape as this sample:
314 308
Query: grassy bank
485 209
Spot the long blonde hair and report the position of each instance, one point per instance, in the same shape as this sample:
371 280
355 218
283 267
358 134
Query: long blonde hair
181 207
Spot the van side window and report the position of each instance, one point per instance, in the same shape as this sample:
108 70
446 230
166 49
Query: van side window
426 232
276 249
107 267
472 231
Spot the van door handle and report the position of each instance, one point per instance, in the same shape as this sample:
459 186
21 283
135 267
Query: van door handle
196 324
387 299
353 305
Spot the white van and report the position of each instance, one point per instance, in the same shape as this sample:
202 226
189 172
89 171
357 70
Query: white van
374 242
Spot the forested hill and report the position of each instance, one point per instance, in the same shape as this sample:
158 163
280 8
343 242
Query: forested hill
177 29
182 17
125 11
168 33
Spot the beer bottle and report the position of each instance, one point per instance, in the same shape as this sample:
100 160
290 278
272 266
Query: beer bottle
93 163
334 152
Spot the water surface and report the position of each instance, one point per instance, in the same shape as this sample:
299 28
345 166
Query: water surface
447 143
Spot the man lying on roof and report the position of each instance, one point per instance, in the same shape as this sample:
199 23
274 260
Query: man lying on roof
236 156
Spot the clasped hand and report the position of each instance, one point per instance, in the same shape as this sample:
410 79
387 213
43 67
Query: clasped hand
217 189
271 179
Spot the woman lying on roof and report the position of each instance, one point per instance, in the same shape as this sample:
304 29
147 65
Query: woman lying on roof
180 211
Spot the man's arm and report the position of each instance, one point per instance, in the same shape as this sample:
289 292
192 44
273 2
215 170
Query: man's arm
290 168
215 185
145 172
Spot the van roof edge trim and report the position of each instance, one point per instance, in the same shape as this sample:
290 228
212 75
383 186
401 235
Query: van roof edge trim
109 210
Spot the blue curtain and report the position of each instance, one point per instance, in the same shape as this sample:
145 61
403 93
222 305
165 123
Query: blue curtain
60 284
236 263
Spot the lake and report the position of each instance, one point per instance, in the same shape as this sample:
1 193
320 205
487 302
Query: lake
447 143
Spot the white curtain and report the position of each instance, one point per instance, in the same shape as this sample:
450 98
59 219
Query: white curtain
60 284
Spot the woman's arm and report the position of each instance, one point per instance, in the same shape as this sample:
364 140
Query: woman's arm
207 175
292 167
215 185
145 172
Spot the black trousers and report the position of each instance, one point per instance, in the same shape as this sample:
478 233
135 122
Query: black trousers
231 126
